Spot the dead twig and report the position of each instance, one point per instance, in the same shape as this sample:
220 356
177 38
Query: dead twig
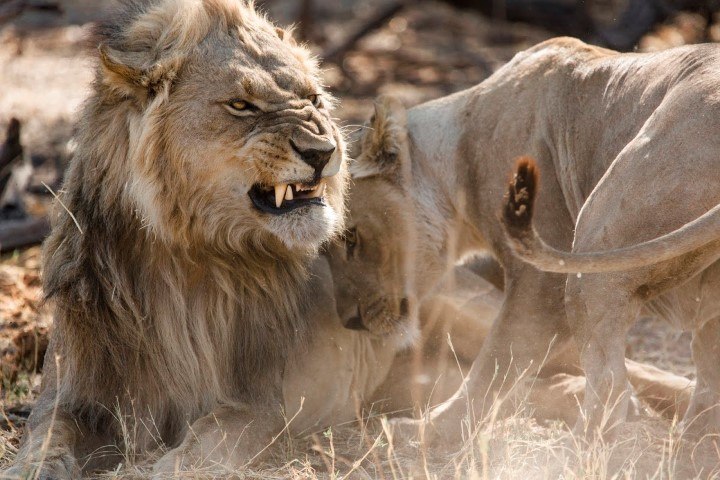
15 8
22 233
335 53
11 149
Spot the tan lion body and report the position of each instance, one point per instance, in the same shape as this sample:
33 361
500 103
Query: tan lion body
647 235
577 110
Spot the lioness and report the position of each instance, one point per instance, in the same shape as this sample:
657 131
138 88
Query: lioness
677 274
208 171
572 106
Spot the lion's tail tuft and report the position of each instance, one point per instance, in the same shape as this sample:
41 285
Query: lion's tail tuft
520 198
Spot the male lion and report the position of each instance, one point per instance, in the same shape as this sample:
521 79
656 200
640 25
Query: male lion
437 196
677 274
208 172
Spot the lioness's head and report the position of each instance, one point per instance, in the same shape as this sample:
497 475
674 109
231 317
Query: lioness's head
372 261
227 128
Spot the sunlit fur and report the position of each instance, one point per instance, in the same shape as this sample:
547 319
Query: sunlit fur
172 293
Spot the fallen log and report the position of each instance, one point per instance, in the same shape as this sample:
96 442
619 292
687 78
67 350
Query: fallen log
23 233
14 8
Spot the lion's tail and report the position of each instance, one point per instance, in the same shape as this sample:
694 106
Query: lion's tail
517 217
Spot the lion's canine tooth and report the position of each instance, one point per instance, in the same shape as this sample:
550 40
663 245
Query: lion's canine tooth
288 193
280 194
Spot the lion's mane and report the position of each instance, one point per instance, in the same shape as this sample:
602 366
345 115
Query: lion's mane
155 319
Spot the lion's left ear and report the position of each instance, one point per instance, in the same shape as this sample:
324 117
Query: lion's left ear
384 146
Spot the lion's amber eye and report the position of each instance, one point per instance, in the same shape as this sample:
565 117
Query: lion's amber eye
239 104
241 108
315 100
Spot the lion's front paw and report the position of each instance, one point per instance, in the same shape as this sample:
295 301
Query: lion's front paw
57 468
168 466
437 430
179 463
409 431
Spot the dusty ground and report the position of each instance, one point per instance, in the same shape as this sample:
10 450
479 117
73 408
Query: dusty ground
427 51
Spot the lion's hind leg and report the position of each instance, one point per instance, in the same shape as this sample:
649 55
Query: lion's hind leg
530 329
600 329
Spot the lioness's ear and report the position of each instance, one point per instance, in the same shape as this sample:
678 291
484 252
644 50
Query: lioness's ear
286 35
280 33
384 145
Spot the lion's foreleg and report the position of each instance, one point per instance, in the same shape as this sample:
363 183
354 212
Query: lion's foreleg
48 447
224 441
50 443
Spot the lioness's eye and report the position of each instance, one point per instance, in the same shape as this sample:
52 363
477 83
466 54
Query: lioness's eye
351 240
315 100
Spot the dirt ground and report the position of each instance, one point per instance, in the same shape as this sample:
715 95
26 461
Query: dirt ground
426 51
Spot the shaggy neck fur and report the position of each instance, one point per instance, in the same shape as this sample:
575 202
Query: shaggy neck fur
438 222
438 193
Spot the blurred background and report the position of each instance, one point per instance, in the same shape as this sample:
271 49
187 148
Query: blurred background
416 50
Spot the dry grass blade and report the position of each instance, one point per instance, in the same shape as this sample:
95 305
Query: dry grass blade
63 205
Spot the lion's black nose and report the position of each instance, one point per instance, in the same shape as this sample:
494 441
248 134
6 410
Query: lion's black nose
356 323
314 156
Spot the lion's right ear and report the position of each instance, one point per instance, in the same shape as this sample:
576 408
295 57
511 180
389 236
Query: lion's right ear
384 146
126 72
122 71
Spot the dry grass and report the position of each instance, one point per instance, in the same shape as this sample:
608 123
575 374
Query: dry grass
514 447
508 446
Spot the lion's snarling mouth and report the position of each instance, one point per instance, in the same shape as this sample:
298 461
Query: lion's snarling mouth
286 197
